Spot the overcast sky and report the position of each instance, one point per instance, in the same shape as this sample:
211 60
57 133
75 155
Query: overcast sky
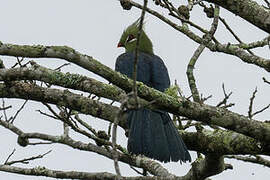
94 28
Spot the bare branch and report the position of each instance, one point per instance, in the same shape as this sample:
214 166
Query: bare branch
19 110
250 113
26 160
266 81
256 14
63 65
4 108
67 80
267 3
215 47
206 167
134 87
42 171
234 35
39 143
208 37
260 111
87 126
251 103
178 106
9 156
226 97
256 159
141 162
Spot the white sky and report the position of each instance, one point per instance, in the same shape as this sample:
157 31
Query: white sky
94 28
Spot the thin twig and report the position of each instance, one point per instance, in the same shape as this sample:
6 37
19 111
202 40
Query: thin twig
203 99
228 105
26 160
39 143
115 154
267 3
19 110
87 126
45 114
9 156
18 62
260 111
114 135
134 169
226 97
136 53
180 92
256 159
180 17
234 35
251 103
63 65
52 111
4 109
109 128
265 80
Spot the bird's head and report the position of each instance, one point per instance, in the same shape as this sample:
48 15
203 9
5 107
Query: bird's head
129 38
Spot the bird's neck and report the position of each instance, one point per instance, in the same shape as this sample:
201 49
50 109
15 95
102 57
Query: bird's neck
144 50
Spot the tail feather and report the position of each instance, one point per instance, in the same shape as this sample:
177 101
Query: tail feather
135 133
178 149
159 142
153 134
173 143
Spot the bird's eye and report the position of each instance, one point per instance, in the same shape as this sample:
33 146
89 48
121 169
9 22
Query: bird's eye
130 38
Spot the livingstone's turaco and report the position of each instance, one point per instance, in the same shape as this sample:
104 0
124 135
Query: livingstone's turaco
151 133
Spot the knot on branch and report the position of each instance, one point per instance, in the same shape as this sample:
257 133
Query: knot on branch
184 11
22 141
209 11
157 2
126 5
102 135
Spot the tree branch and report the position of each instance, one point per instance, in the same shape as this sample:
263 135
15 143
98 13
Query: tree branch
140 162
248 10
67 80
178 106
215 47
207 38
209 166
42 171
257 159
222 142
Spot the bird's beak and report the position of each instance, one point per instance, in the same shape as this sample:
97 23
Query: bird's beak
120 45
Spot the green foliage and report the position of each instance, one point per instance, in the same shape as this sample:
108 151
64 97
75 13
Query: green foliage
172 91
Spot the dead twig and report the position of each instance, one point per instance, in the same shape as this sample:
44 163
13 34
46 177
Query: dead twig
260 111
63 65
26 160
234 35
19 110
9 156
226 97
255 159
250 115
265 80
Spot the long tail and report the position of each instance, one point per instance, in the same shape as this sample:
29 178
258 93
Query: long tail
153 134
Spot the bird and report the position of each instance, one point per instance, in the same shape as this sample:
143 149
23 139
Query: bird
151 133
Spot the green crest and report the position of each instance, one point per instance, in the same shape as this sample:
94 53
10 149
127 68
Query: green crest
129 38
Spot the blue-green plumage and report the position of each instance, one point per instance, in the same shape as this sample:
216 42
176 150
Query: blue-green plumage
151 133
